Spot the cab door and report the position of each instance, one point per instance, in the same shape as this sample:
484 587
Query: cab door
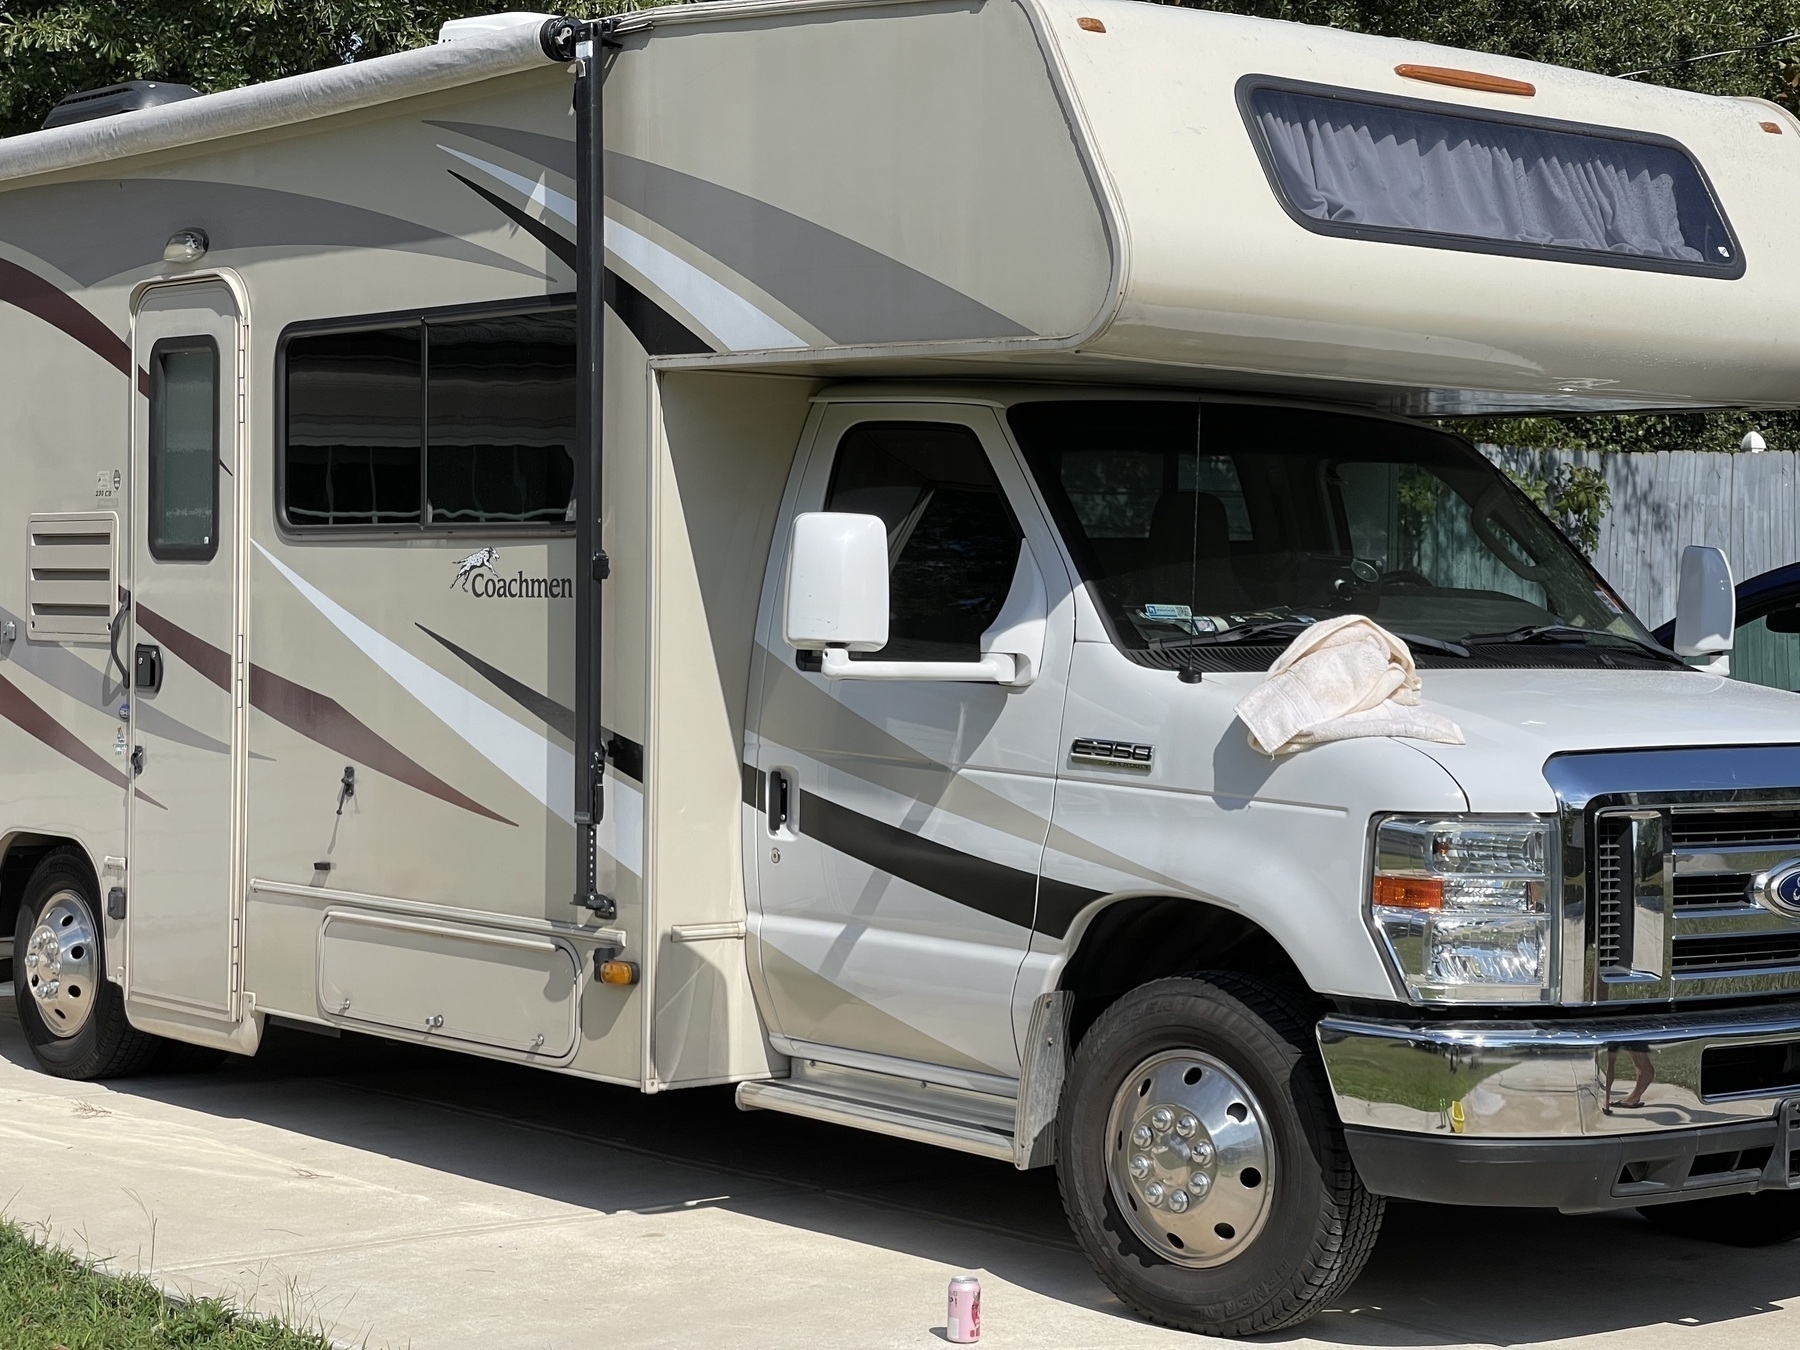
899 825
186 714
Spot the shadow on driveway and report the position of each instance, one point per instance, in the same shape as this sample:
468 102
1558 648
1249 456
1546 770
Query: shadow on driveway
1441 1276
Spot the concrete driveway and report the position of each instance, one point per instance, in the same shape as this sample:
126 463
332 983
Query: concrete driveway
406 1197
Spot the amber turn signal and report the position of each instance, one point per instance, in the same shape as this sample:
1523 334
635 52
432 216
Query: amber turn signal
618 972
1409 892
1772 128
1466 79
1088 25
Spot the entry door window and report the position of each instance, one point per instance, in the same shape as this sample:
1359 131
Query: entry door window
953 542
184 450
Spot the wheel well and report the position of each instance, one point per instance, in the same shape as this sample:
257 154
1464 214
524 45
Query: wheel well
19 856
1152 937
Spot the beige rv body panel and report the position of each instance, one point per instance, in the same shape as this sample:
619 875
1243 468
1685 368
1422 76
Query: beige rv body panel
796 192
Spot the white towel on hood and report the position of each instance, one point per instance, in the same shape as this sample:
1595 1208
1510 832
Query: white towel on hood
1340 679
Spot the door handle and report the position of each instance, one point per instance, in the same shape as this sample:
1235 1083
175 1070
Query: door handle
780 802
147 668
137 760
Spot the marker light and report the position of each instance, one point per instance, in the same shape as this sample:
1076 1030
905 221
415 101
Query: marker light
618 972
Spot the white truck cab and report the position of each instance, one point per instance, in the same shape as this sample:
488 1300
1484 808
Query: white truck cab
745 575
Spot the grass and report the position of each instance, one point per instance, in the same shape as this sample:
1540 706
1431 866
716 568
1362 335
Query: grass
50 1300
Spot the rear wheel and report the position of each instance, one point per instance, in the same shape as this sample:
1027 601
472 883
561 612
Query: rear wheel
73 1017
1202 1165
1759 1220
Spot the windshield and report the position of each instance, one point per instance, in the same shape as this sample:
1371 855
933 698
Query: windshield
1192 518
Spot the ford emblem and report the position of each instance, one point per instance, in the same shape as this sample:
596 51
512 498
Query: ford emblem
1781 888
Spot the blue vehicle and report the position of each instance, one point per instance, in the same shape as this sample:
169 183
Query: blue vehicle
1767 646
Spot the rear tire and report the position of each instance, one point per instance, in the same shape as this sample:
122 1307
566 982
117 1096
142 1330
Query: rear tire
73 1017
1211 1089
1759 1220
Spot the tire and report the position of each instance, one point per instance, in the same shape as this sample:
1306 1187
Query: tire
1759 1220
73 1017
1280 1226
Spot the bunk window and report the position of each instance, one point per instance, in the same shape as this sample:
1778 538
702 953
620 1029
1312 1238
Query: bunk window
453 420
1425 174
184 450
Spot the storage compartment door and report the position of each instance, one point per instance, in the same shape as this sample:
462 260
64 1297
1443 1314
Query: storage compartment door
509 991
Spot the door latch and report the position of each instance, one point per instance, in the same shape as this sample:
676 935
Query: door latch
115 903
137 760
146 668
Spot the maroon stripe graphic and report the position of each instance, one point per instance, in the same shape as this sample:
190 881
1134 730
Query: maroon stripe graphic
323 719
17 708
316 716
38 297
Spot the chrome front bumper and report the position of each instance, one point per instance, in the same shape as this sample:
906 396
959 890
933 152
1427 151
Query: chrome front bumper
1561 1080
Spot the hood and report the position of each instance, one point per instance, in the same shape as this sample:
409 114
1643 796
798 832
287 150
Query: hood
1515 720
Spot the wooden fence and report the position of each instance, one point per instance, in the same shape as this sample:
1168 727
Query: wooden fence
1748 505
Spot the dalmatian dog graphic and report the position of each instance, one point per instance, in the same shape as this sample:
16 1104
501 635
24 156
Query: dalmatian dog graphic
481 560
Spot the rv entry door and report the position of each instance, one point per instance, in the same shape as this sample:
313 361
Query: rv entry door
182 652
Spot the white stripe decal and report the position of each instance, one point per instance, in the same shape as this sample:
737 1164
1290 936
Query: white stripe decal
724 313
543 769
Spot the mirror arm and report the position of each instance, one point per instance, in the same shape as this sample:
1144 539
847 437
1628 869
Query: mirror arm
993 668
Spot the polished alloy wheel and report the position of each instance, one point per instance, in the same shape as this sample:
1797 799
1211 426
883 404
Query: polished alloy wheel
61 969
1189 1159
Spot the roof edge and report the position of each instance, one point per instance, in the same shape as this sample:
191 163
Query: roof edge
259 107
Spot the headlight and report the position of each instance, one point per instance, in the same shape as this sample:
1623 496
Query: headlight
1464 905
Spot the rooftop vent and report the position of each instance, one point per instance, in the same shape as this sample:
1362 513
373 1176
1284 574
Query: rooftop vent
90 104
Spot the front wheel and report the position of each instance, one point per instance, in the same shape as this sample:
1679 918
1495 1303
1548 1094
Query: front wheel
73 1017
1201 1161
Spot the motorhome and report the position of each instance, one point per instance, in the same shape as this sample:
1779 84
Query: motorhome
721 546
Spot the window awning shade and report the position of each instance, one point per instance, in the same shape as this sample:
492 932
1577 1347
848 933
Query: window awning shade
1350 166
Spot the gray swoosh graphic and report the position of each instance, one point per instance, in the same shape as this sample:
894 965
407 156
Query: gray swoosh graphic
550 152
69 675
852 292
235 215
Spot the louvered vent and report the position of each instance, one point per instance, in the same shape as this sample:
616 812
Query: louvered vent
71 568
1609 894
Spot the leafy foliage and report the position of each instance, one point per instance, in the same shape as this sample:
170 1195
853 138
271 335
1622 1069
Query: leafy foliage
49 48
1575 498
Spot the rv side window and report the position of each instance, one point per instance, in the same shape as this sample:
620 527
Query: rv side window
953 543
454 420
184 450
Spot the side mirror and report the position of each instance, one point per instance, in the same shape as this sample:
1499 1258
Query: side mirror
1705 608
837 582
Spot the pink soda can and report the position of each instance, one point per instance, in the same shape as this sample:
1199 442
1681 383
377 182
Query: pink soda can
963 1325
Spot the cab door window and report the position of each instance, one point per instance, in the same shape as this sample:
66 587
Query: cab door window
953 542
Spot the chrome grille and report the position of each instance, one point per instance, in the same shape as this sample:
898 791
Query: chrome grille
1676 891
1609 898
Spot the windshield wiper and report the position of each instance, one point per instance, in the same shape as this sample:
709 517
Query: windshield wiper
1431 644
1569 634
1243 632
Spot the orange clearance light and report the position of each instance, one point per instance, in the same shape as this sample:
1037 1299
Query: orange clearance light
618 972
1088 25
1772 128
1409 892
1466 79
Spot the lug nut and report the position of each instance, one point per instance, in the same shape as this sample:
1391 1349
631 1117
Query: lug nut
1201 1154
1161 1119
1142 1136
1199 1184
1186 1126
1154 1193
1178 1201
1140 1167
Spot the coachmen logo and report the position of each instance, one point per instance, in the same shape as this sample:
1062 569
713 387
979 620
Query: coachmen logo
1781 889
478 576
